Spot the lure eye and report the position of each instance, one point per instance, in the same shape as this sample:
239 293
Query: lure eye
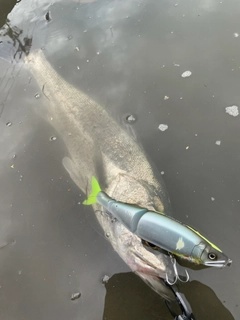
212 256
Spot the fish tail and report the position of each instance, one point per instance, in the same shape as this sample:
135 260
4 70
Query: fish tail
95 190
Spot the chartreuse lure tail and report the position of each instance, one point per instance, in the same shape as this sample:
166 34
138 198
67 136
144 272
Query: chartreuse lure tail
93 196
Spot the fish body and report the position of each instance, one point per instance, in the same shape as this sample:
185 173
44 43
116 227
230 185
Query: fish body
98 146
161 230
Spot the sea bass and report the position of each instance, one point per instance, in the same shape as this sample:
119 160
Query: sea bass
98 146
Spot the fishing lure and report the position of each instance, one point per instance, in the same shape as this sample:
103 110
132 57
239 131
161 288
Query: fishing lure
161 230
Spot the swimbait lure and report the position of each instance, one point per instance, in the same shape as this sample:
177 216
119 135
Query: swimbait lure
161 230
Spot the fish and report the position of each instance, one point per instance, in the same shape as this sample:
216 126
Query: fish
161 230
99 146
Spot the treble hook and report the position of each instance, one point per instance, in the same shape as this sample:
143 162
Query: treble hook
176 275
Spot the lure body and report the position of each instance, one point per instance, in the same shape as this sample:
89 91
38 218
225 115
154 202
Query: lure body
153 227
165 232
161 230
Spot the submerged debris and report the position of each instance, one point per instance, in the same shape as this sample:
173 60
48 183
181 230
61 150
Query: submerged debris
105 279
75 296
186 74
232 110
130 118
163 127
48 16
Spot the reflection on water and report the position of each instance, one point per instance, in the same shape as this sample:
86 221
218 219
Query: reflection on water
12 36
131 56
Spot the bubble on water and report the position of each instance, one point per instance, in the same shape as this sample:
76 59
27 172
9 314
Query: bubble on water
78 67
186 74
162 173
107 234
37 96
85 31
187 147
236 35
69 37
166 98
77 49
20 272
88 60
218 142
98 52
131 118
53 138
163 127
232 111
105 279
212 198
75 296
8 124
176 65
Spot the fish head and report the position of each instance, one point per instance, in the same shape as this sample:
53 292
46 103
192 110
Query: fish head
210 255
151 265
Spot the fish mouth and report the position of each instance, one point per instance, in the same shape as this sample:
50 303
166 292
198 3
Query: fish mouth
219 263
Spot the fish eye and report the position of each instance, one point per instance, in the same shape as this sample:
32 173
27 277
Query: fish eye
212 256
150 245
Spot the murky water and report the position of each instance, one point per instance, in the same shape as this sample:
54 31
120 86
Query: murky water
130 56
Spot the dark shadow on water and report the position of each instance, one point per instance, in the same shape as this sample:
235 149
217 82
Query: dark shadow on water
5 8
128 297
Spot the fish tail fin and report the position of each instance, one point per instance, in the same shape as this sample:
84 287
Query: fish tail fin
95 190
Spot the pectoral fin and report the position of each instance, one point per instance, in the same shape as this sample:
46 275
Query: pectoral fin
75 173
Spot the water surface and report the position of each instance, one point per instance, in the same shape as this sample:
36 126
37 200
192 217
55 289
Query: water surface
129 56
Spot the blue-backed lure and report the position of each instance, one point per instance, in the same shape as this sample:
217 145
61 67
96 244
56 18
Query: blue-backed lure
161 230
